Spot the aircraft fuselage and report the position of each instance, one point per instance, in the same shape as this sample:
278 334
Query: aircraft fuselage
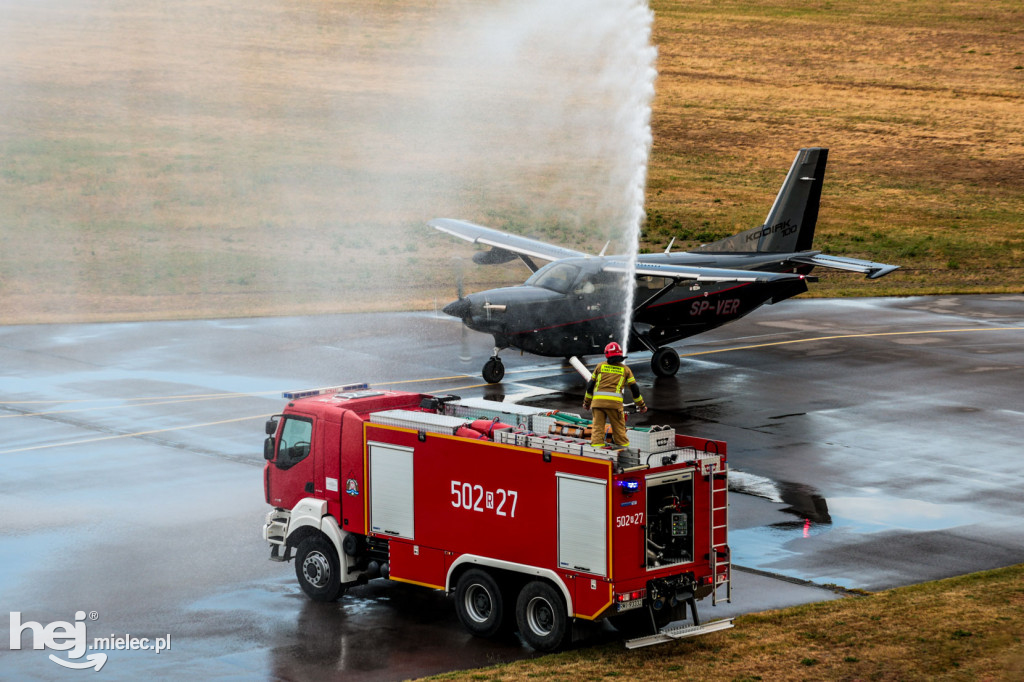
570 307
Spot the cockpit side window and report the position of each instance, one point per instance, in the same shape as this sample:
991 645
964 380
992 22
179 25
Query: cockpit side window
602 283
556 277
653 283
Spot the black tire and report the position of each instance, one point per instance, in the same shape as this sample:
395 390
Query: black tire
494 370
318 570
541 616
479 603
665 362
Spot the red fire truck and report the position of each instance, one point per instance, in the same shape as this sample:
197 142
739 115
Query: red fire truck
530 529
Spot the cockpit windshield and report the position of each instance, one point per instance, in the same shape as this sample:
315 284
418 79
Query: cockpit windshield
555 276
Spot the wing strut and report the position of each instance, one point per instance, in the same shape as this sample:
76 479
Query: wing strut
644 338
658 294
529 262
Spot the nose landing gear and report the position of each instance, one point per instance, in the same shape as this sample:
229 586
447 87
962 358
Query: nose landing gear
494 370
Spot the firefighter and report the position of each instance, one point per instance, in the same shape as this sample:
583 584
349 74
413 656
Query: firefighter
604 397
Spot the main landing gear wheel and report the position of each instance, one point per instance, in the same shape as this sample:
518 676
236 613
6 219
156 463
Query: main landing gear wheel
494 370
665 362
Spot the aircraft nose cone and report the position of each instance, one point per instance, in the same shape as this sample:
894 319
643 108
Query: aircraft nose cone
459 308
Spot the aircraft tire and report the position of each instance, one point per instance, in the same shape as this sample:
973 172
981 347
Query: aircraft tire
494 370
665 362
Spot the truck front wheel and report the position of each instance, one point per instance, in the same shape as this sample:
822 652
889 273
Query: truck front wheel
478 603
318 569
541 616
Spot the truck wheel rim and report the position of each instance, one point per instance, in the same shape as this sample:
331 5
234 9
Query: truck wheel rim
478 603
540 616
316 569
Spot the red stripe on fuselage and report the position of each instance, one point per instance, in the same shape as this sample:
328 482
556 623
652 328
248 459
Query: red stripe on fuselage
604 317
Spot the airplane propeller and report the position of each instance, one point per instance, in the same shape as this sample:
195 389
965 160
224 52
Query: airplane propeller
464 354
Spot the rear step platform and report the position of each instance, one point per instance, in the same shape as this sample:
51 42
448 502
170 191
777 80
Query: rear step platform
669 634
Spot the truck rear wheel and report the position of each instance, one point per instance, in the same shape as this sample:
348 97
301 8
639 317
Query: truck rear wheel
479 604
318 569
541 616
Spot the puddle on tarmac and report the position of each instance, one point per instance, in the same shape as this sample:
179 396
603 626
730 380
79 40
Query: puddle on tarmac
840 520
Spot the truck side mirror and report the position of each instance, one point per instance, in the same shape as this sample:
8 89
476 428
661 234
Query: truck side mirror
268 449
271 427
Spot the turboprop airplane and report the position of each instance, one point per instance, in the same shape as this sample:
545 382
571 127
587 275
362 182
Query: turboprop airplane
574 305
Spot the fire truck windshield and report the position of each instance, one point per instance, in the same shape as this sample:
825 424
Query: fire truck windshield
293 447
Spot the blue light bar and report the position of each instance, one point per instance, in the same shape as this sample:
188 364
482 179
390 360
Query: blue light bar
295 395
631 485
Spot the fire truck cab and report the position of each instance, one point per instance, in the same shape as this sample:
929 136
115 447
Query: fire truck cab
529 528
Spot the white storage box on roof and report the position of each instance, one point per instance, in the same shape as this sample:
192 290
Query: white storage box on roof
569 446
480 408
652 441
421 421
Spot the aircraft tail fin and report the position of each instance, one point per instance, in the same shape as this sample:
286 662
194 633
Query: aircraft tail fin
790 223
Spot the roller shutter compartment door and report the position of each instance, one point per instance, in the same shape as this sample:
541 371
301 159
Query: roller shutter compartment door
583 524
391 491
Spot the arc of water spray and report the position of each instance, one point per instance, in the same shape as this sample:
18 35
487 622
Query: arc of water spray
638 119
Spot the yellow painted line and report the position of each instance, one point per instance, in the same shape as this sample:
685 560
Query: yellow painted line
118 407
851 336
381 384
219 396
195 396
134 435
419 381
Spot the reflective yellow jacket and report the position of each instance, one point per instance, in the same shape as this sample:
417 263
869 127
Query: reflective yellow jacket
606 386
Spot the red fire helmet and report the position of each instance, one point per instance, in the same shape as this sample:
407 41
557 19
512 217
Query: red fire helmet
612 350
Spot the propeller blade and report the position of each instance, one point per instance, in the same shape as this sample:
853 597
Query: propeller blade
459 272
464 353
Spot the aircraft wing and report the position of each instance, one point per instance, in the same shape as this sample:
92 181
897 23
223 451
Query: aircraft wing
872 270
503 241
703 274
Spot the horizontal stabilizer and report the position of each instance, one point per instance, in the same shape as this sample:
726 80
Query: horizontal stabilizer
869 268
702 274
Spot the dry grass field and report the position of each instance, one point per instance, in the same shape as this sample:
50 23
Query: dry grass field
961 629
200 158
921 104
